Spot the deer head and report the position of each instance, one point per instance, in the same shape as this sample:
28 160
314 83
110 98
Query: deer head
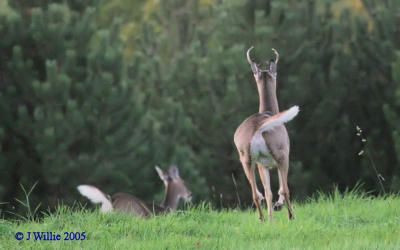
175 187
266 83
260 73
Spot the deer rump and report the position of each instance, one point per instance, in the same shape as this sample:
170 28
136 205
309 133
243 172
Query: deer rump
252 129
258 148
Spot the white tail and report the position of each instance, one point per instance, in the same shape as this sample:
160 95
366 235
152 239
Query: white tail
279 119
96 196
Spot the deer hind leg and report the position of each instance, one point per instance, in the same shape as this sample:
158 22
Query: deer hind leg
246 171
249 171
279 204
284 195
266 181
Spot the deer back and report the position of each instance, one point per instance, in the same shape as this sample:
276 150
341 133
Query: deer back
134 206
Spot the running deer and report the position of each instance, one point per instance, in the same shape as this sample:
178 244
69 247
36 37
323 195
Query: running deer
262 140
175 189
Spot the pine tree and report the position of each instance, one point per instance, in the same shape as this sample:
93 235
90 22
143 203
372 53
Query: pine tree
69 113
80 105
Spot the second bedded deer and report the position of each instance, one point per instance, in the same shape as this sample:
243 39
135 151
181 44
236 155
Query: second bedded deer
175 189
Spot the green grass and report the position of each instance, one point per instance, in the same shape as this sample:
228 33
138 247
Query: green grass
329 222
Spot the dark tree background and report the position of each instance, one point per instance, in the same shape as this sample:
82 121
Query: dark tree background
101 92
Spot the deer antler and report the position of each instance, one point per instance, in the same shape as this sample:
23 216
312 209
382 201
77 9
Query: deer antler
273 64
276 55
253 65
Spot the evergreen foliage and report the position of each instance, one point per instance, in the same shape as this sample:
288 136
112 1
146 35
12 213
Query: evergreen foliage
90 96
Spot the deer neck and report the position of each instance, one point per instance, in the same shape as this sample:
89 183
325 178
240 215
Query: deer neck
266 87
171 198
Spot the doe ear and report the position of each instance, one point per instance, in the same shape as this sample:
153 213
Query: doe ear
173 171
163 176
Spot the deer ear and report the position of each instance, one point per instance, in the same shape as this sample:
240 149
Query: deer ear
163 176
173 171
273 64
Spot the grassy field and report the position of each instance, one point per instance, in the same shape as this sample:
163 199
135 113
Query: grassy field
328 222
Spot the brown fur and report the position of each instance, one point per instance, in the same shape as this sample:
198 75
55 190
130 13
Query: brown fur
175 189
277 140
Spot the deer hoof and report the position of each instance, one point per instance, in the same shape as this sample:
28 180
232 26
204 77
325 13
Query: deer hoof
278 206
260 197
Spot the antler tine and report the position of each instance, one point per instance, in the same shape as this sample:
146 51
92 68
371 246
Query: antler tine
248 55
276 55
253 66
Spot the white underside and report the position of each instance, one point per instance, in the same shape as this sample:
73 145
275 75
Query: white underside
260 152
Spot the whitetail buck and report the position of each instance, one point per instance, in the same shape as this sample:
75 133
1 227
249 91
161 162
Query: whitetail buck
262 140
174 190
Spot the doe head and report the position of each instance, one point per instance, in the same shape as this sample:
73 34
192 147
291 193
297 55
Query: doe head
174 183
